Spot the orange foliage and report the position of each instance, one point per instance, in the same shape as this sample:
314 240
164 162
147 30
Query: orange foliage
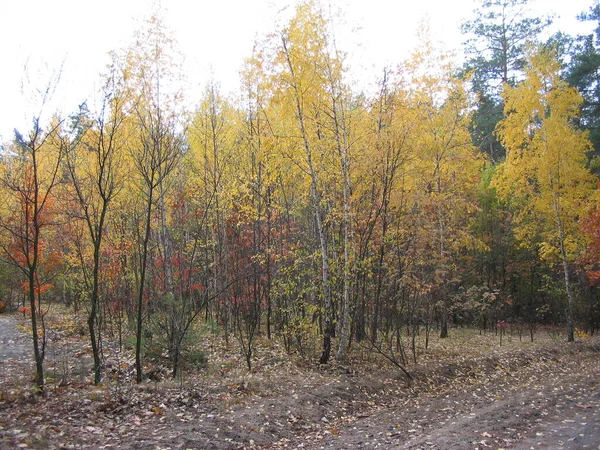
26 309
39 290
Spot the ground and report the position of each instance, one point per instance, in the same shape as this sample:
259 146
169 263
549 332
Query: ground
467 392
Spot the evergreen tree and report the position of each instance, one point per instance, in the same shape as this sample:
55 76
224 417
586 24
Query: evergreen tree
584 74
495 50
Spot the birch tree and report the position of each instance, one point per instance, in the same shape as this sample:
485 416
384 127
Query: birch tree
545 176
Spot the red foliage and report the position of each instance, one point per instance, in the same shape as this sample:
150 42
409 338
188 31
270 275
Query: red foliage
591 259
502 324
197 287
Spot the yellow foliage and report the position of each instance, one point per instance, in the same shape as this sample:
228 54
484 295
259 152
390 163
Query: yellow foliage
544 175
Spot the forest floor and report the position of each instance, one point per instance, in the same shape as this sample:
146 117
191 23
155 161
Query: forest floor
467 392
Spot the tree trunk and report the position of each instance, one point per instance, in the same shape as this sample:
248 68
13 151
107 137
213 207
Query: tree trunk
342 145
567 277
38 352
94 309
140 299
444 323
32 273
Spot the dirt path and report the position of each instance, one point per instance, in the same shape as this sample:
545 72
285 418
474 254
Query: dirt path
16 363
14 344
555 405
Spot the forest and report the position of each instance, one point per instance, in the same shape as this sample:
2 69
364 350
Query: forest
307 213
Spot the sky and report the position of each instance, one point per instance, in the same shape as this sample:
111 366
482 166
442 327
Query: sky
39 38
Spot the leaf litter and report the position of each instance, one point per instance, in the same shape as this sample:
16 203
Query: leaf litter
466 393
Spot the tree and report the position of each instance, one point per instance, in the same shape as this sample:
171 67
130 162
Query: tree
302 55
260 175
545 176
443 195
381 208
495 49
94 166
211 138
150 68
583 72
28 177
340 116
591 262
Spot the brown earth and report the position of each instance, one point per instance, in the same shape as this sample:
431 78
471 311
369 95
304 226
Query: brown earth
468 392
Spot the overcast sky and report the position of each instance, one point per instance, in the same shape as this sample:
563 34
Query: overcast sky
214 35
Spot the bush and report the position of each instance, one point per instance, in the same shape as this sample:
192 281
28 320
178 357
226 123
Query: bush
195 357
